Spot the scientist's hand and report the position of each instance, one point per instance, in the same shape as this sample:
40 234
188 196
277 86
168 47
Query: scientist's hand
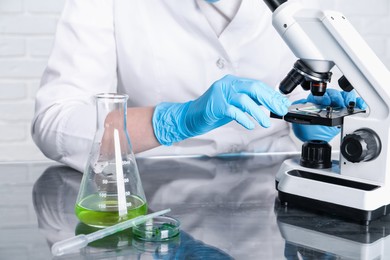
227 99
333 98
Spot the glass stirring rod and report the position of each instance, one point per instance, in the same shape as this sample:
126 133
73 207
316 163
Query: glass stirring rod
80 241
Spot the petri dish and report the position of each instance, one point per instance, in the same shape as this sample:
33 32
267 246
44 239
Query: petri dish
160 228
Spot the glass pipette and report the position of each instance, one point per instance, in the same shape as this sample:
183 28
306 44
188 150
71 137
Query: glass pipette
80 241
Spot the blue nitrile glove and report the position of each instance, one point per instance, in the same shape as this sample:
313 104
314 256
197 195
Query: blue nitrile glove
227 99
333 98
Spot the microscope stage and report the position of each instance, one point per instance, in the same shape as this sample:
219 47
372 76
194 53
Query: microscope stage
311 114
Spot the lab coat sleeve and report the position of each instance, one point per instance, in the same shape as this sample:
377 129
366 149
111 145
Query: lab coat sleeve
82 64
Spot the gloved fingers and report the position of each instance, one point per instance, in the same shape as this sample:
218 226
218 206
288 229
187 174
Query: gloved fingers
315 132
275 103
338 99
265 95
239 116
300 101
351 96
333 97
327 99
259 93
248 105
360 103
348 97
319 100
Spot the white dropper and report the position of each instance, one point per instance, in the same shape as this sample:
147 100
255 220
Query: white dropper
80 241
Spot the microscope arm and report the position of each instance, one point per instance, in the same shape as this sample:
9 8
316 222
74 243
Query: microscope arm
323 39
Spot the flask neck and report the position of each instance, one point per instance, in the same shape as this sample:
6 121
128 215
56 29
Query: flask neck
111 111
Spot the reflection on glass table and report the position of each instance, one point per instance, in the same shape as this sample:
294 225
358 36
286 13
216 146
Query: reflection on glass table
224 206
54 197
311 235
227 208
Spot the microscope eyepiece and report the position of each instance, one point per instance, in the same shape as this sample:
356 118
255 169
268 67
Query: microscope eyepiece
274 4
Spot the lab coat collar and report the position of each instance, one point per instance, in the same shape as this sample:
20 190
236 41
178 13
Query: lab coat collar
247 23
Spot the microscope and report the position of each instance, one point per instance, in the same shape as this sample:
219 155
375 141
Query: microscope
357 185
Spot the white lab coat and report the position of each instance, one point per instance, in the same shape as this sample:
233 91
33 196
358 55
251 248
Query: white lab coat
155 51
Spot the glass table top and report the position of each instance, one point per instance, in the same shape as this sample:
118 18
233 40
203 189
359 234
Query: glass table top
227 206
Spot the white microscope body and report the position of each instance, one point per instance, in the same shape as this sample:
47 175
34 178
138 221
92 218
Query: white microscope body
358 185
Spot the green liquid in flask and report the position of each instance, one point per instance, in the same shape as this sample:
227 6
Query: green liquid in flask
102 212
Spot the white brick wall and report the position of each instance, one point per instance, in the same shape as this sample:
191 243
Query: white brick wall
26 34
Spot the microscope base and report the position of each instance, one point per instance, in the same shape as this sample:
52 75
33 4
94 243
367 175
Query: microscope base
361 216
329 192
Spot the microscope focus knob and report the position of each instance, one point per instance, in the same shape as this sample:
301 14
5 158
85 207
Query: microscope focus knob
362 145
316 154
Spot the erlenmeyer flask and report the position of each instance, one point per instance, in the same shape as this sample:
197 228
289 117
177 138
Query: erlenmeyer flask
111 189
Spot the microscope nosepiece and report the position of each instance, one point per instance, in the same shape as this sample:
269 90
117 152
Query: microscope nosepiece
303 75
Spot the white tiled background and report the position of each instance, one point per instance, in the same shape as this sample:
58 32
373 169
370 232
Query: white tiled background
26 34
